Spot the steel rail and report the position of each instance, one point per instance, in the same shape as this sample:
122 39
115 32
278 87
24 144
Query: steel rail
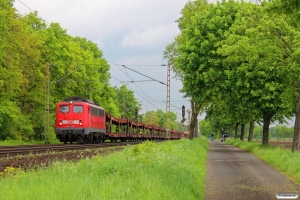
6 151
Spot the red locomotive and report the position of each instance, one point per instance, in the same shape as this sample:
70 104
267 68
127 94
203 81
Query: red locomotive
81 120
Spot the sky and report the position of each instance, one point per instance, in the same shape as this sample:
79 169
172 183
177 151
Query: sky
133 33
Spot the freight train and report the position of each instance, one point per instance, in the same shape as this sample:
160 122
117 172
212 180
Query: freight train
83 121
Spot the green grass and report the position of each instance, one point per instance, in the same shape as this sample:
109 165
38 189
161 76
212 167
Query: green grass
169 170
20 142
282 159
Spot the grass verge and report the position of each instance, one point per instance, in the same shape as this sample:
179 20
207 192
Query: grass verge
280 158
169 170
20 142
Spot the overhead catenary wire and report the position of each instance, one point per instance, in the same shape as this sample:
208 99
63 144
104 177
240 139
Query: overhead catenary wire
173 105
135 81
140 89
135 91
144 75
127 74
26 5
136 84
33 11
116 78
143 92
132 81
138 65
177 108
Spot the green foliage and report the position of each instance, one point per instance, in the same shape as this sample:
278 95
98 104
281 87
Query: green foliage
290 8
283 132
20 75
191 9
108 100
260 74
257 132
256 72
162 117
151 117
77 68
158 118
194 50
126 100
237 62
206 128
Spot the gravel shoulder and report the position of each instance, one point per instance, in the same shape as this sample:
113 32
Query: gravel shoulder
235 174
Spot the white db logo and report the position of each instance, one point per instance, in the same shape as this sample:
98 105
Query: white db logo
287 195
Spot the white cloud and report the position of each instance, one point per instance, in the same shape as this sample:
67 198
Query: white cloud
153 59
149 38
130 32
99 19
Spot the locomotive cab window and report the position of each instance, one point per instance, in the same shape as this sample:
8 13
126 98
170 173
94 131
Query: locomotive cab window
77 109
64 109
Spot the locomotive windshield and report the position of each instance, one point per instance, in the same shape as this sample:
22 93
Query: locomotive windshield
64 109
77 109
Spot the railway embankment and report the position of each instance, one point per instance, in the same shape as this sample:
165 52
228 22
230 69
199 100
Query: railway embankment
168 170
181 169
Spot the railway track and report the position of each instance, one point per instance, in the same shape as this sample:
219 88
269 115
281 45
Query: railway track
6 151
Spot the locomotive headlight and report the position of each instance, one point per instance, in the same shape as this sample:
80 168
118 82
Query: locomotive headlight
80 122
60 122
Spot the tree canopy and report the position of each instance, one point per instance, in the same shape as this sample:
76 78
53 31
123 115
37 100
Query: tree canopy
238 60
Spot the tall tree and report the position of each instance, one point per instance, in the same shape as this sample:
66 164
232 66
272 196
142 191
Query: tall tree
20 75
195 53
127 102
151 118
291 10
173 53
254 45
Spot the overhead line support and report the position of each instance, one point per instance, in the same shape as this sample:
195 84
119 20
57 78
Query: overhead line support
168 127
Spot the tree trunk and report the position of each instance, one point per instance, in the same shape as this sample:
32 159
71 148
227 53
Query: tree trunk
242 131
267 119
251 129
236 130
195 112
295 145
196 128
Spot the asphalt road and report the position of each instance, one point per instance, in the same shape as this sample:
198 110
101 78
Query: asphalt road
235 174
